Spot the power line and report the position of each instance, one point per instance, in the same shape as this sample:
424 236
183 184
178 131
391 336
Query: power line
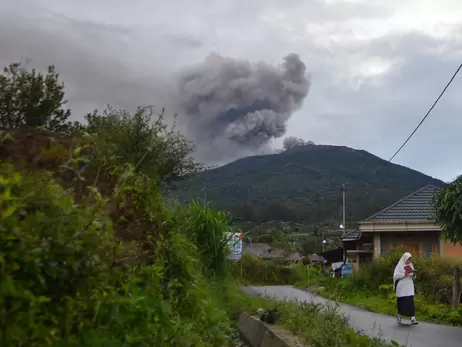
380 170
426 115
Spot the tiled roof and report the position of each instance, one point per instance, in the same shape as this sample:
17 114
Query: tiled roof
415 207
351 235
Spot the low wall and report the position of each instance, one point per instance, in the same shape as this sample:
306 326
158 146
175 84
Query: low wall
259 334
452 251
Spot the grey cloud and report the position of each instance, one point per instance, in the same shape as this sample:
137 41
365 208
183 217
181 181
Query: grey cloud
130 54
292 141
248 104
383 110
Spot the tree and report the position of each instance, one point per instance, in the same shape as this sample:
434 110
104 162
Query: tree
143 140
280 241
448 210
308 246
29 98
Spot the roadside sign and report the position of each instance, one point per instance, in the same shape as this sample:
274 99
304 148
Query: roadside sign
235 246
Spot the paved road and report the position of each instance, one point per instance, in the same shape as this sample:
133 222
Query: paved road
373 324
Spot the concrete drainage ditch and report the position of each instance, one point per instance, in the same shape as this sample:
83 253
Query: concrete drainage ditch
260 334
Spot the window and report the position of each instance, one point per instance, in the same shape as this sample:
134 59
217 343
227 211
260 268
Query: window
383 249
431 249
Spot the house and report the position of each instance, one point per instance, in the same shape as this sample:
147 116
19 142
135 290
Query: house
265 251
407 224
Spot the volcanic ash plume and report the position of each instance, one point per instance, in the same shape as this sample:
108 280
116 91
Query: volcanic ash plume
292 141
233 101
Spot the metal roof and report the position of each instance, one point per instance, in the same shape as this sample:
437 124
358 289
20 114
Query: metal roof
415 207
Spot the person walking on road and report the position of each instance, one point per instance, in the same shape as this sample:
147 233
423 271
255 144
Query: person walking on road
403 284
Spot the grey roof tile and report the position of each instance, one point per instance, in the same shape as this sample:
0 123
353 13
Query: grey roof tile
415 207
351 235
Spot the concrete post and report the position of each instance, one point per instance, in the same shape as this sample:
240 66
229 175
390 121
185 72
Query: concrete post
456 288
376 252
441 250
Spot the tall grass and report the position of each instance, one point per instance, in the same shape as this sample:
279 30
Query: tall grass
209 231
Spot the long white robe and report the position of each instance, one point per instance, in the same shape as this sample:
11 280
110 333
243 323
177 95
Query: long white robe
405 286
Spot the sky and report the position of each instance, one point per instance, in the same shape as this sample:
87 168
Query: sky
374 66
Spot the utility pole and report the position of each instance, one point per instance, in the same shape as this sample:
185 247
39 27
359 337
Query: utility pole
343 207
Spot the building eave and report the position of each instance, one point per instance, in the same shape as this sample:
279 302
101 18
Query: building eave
396 221
399 226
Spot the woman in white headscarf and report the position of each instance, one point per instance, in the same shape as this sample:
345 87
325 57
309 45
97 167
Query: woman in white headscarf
403 283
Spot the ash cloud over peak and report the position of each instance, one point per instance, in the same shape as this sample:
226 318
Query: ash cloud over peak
238 105
292 141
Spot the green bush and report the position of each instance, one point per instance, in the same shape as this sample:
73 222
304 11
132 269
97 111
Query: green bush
54 254
259 271
434 277
59 284
371 287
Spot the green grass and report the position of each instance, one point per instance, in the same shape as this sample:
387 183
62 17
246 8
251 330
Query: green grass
384 300
317 325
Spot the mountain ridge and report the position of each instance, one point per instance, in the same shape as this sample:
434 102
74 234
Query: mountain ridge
306 179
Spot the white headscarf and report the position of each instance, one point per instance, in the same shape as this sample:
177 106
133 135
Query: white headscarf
399 269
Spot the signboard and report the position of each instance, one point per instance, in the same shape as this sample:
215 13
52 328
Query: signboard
235 246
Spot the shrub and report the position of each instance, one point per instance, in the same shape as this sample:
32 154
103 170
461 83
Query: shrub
371 287
434 274
62 282
54 255
258 271
143 140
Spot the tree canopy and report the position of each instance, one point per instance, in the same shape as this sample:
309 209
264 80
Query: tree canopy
448 206
145 141
30 98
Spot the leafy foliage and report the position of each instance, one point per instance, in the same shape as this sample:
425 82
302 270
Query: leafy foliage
371 287
256 271
29 98
448 205
305 181
62 281
143 140
209 230
69 278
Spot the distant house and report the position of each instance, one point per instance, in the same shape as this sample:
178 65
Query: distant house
265 251
407 224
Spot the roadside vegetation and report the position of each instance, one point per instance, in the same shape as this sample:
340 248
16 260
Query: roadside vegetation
370 288
316 324
91 254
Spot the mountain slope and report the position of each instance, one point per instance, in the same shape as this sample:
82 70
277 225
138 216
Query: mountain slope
307 179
